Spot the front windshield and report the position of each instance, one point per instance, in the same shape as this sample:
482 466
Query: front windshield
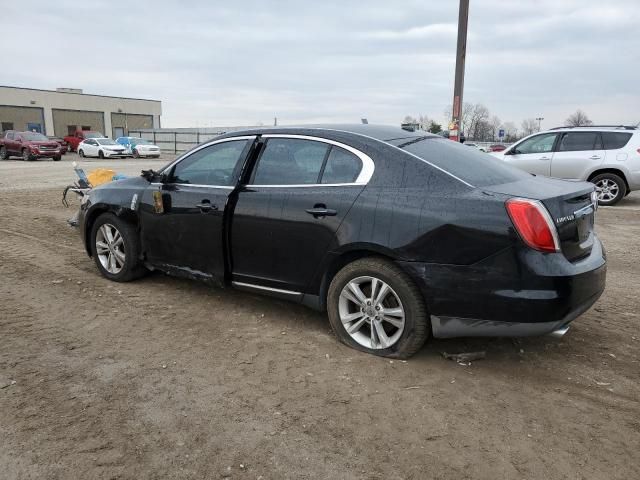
92 135
106 141
34 137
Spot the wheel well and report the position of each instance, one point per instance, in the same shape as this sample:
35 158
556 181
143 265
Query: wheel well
337 264
93 216
609 170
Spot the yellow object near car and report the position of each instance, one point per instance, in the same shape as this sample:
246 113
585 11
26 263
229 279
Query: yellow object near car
100 176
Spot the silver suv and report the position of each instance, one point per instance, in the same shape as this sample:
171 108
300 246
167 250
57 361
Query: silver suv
608 156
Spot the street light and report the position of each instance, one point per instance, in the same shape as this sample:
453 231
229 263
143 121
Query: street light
539 119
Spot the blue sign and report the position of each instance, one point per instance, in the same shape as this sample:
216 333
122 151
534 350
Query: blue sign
501 133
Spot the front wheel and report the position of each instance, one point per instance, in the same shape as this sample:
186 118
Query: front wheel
26 155
81 153
57 158
610 188
69 148
115 248
136 154
100 154
375 307
3 153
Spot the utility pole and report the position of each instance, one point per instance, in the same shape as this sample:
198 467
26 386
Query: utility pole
458 87
539 119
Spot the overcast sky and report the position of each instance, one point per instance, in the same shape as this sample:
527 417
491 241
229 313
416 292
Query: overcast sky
216 63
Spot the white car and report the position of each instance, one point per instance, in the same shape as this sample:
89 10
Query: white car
139 147
101 148
475 145
608 156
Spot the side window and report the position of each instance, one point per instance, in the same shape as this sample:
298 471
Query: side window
578 141
290 161
10 136
342 167
615 140
538 144
213 165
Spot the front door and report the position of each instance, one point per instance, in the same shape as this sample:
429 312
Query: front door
286 217
534 154
577 154
183 218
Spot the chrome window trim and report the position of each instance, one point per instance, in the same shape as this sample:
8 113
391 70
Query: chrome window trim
269 289
226 187
366 172
398 148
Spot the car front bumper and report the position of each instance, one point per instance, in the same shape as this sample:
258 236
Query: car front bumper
110 154
517 292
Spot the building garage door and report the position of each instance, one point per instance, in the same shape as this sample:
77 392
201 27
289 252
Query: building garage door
66 122
124 122
21 118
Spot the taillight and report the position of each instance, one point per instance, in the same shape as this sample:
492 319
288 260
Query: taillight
534 224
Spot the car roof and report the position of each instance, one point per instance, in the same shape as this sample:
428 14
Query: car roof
384 133
595 128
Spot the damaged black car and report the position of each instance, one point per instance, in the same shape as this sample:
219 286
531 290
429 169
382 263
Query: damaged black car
397 235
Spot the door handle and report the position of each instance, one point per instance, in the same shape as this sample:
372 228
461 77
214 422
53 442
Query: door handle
320 210
544 158
595 157
205 206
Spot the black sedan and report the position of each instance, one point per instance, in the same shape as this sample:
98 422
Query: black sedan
397 235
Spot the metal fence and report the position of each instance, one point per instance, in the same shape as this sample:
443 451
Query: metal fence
180 140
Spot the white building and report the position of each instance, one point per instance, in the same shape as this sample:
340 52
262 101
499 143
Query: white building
63 111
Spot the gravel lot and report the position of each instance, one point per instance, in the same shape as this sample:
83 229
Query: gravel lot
167 378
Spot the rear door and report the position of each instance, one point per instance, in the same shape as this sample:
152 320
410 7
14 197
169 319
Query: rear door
183 219
534 154
287 215
577 154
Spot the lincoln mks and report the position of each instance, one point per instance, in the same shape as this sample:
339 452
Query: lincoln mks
397 235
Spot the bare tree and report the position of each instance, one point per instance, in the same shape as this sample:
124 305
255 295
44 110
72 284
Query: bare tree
510 132
476 123
578 119
529 126
410 119
495 123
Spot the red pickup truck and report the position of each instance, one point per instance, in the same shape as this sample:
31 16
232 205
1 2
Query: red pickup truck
28 145
74 140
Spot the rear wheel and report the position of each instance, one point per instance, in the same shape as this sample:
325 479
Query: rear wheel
116 248
3 153
610 188
375 307
69 147
135 153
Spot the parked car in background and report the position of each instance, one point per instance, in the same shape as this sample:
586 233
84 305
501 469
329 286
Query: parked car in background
497 148
607 156
475 145
338 218
74 140
60 141
139 147
101 148
28 145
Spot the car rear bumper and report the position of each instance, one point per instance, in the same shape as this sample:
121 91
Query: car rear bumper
514 293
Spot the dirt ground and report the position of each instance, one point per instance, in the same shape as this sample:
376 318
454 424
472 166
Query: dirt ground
168 378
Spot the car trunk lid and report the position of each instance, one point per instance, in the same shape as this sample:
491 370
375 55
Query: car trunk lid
570 205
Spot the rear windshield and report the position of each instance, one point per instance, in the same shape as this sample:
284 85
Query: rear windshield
615 140
469 164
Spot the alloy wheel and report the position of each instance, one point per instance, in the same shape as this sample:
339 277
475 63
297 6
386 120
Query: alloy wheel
607 190
110 248
371 312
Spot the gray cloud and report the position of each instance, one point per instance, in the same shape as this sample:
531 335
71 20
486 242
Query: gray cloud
220 63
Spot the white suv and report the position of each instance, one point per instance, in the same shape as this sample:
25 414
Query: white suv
608 156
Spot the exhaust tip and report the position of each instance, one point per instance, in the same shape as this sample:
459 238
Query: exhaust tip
559 332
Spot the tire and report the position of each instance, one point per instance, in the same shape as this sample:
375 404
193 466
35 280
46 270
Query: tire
100 154
69 148
610 187
3 154
57 159
135 153
120 270
26 156
81 153
405 336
